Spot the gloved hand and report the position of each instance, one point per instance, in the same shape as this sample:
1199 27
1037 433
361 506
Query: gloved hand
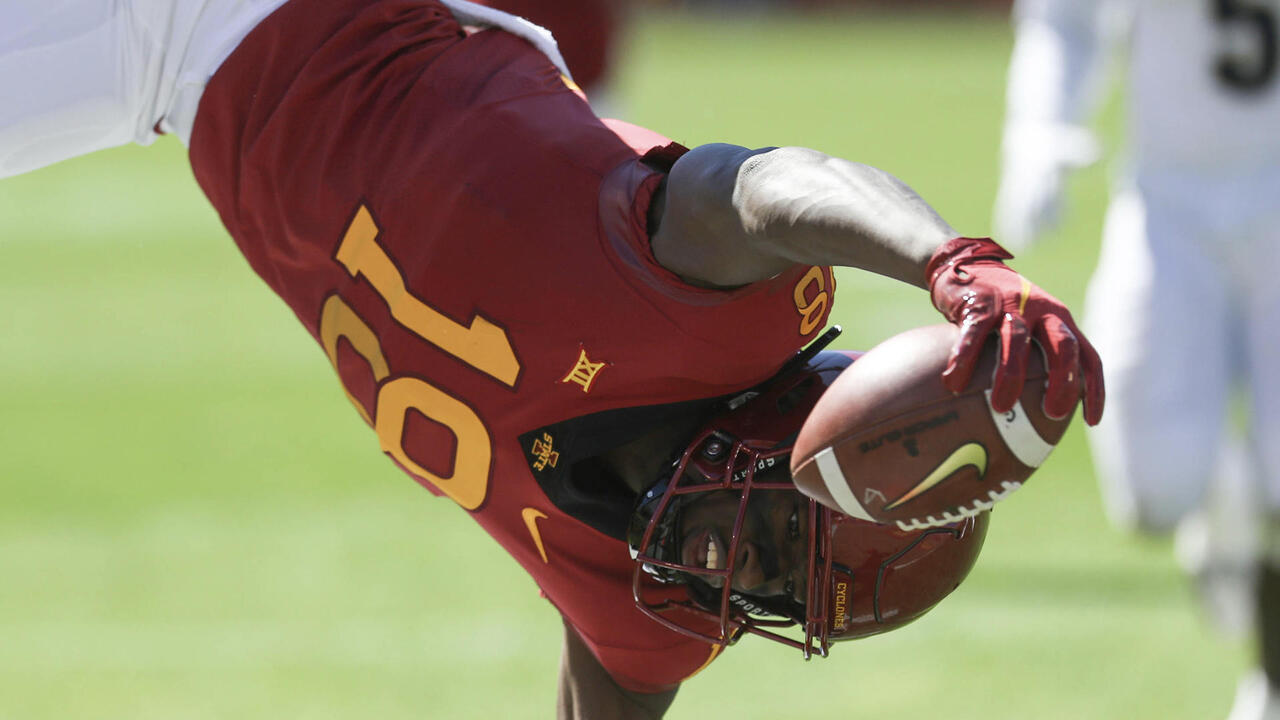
972 287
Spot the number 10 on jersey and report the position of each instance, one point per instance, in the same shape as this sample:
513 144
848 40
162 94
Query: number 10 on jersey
480 344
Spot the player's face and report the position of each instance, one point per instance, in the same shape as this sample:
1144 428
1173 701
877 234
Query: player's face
772 554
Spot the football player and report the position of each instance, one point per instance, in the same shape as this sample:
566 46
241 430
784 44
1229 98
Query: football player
1181 304
583 333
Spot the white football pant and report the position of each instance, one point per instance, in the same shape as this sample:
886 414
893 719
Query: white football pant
1184 308
83 75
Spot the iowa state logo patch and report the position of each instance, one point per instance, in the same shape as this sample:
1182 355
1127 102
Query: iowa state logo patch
541 452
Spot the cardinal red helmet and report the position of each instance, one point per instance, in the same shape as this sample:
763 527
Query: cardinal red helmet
862 578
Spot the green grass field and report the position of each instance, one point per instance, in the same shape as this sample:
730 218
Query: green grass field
194 524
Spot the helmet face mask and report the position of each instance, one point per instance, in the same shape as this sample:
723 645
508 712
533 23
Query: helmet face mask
724 611
833 576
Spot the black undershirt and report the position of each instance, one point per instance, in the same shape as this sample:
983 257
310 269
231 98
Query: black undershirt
579 483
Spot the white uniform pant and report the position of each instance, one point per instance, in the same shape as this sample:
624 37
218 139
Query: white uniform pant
1184 307
82 75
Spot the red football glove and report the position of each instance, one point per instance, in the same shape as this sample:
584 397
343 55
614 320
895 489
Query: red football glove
972 287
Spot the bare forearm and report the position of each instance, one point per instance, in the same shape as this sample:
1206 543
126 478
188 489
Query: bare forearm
735 216
815 209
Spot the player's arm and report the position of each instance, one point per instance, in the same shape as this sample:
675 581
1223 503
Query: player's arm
1057 76
587 692
731 216
1061 50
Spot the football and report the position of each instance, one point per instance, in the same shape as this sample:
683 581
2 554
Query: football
888 443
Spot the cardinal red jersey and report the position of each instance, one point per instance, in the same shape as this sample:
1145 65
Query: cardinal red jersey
468 244
586 31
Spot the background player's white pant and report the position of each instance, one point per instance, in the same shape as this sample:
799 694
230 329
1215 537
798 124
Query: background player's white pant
83 75
1182 309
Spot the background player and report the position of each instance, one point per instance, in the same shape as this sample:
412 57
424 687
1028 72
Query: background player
1181 304
726 224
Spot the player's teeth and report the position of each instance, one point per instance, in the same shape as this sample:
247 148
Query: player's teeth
712 555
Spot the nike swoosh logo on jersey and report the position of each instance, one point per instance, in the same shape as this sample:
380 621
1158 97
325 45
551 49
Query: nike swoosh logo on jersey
531 517
963 456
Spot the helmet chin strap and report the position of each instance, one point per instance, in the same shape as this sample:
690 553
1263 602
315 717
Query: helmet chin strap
709 598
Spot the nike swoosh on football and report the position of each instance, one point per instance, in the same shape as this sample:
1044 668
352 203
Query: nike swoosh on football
531 517
965 455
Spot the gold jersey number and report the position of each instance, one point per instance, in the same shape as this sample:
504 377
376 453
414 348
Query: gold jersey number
480 344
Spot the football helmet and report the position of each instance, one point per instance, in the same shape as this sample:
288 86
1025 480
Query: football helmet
863 578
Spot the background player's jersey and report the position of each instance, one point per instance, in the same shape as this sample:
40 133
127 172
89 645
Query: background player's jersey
1203 82
468 243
